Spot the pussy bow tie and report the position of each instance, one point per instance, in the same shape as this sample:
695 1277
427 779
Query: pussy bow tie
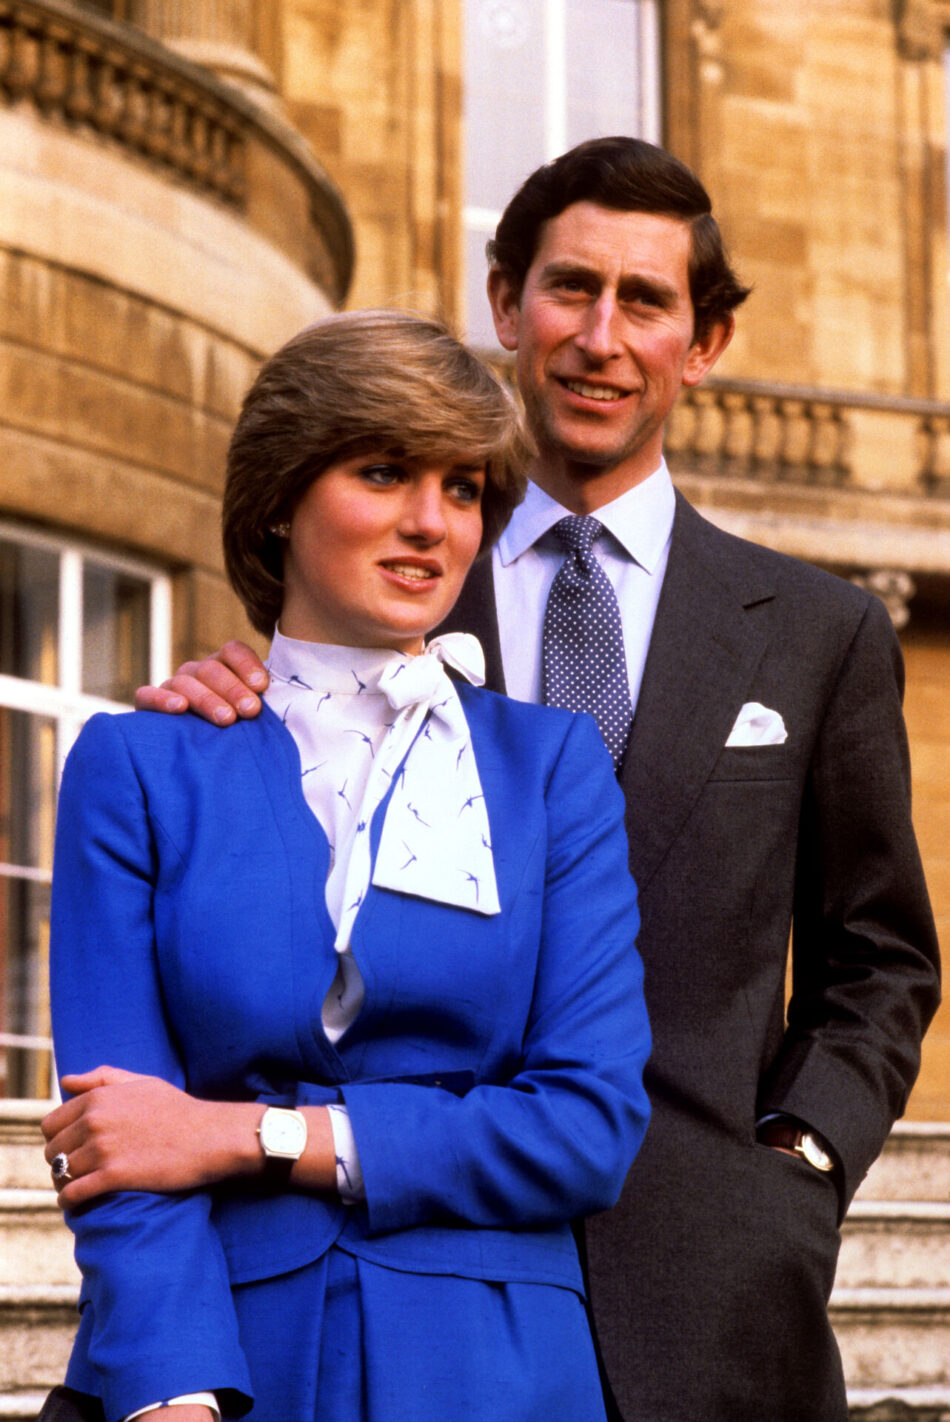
436 839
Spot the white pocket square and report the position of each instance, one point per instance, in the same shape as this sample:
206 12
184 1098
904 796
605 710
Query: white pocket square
756 725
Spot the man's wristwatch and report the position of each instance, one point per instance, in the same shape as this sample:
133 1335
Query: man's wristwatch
283 1137
786 1135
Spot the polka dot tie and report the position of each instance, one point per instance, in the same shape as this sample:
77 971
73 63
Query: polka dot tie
584 668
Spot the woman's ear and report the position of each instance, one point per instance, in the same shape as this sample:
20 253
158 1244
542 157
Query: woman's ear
505 302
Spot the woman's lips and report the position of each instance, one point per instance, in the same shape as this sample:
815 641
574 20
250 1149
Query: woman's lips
406 571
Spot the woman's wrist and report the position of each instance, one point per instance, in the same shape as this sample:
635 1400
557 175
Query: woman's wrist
232 1145
316 1168
229 1139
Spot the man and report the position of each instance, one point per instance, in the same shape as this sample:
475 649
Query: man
767 790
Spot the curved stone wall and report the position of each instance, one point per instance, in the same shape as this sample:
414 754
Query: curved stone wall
158 235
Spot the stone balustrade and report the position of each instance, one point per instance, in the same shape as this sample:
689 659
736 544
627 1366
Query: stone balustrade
783 433
90 75
82 72
858 483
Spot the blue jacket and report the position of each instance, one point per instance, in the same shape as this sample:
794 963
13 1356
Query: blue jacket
493 1076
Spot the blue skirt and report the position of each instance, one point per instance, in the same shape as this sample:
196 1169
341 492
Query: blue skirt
346 1340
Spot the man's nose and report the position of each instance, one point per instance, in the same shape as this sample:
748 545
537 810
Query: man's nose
598 337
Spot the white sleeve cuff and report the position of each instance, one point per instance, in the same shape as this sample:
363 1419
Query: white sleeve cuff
196 1399
349 1176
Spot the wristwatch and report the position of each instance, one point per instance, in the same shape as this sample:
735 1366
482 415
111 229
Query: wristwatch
283 1137
788 1136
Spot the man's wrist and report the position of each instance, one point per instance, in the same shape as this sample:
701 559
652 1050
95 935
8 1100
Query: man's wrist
784 1133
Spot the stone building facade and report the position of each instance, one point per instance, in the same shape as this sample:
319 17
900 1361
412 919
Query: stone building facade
185 182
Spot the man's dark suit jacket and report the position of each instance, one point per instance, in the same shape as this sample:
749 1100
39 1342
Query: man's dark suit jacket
709 1280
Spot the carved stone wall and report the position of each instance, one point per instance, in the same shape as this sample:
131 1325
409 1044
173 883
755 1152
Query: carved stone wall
78 78
159 233
376 88
159 230
224 36
819 129
926 648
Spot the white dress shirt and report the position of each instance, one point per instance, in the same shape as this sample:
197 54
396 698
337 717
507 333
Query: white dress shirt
633 553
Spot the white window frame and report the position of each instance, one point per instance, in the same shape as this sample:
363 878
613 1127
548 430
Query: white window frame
647 123
65 702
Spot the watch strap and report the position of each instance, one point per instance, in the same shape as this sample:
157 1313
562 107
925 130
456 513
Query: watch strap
783 1134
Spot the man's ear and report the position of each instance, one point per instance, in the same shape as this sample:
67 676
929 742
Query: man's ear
706 350
505 304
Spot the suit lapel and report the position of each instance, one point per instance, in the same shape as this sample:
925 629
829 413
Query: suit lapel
708 639
475 612
707 642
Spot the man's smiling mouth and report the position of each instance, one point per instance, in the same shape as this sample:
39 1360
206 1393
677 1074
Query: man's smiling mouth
606 393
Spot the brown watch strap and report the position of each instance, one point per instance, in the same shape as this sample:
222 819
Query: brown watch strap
783 1134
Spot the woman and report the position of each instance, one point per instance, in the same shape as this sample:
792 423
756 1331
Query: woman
361 971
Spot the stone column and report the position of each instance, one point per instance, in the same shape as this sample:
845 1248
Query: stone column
220 35
921 37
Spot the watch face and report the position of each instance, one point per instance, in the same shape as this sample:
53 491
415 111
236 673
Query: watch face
814 1153
283 1133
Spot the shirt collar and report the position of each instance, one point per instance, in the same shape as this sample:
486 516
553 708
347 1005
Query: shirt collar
325 665
640 520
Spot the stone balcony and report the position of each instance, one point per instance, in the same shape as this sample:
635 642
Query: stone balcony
857 482
160 232
91 77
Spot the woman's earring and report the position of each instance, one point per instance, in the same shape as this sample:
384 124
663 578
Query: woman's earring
280 530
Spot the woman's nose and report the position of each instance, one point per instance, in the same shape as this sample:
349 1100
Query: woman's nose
423 516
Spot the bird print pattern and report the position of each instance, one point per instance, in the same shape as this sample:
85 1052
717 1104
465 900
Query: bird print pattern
338 703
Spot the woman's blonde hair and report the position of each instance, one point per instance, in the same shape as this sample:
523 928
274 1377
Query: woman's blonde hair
382 381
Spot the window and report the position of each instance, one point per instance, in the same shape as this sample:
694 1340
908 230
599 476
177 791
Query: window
79 630
540 76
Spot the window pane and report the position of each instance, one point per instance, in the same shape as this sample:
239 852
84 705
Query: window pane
115 633
27 789
25 1067
603 73
27 810
49 644
29 612
504 97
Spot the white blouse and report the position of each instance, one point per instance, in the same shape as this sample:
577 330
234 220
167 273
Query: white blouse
366 720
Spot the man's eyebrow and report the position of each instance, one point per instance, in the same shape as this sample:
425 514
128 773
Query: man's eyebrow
661 291
634 284
555 271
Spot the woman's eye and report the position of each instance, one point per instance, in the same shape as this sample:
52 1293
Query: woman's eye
466 490
382 474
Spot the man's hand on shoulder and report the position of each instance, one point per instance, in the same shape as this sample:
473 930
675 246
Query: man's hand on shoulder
220 689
